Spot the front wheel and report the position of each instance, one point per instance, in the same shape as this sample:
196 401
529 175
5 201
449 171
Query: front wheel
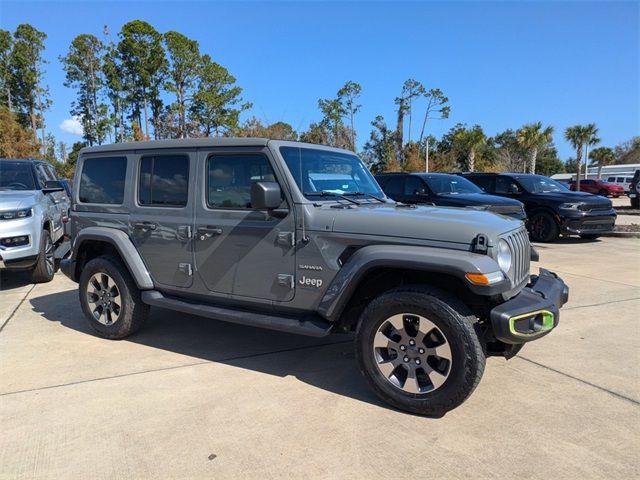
543 227
45 266
419 351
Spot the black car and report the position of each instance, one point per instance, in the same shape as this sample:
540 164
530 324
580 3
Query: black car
634 190
552 208
446 190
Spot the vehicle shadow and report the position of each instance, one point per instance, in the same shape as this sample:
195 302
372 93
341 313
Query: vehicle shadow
12 280
328 363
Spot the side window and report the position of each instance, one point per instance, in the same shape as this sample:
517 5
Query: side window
611 179
484 182
620 180
42 174
52 172
506 185
102 180
394 186
229 179
413 185
164 181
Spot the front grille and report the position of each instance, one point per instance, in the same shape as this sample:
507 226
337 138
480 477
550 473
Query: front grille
505 209
521 256
589 207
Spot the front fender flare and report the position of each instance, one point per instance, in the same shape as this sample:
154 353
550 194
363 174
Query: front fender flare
428 259
122 243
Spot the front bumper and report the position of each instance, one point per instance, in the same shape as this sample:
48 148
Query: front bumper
23 256
533 313
578 223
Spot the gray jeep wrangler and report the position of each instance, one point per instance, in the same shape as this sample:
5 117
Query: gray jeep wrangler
300 238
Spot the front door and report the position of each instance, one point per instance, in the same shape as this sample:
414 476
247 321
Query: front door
161 220
241 251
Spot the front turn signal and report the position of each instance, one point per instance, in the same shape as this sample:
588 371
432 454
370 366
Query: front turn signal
484 279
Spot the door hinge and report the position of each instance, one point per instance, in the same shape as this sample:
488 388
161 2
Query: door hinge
285 280
286 238
185 232
185 268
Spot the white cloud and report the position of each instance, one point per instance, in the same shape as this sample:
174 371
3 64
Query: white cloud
72 125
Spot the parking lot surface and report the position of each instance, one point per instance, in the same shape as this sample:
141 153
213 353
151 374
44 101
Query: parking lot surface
189 397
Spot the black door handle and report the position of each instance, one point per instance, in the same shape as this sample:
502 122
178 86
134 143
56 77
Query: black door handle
145 225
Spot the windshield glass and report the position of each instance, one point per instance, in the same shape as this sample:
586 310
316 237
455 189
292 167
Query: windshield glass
540 184
16 176
318 171
451 184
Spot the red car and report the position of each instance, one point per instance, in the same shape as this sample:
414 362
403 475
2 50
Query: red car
598 187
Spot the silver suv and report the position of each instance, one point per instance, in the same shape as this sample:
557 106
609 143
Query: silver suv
33 208
300 238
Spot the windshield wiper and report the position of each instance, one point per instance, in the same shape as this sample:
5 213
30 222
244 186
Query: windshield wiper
355 194
324 193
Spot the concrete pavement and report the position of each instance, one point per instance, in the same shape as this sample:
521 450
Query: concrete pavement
190 398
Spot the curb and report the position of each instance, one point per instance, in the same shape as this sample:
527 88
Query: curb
621 234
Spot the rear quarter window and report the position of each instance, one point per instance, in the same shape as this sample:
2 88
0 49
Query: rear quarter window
102 180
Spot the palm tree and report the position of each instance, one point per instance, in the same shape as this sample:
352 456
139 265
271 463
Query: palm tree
580 136
601 156
591 138
469 142
532 137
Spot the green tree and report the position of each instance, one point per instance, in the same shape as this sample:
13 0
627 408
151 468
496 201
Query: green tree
84 72
509 154
30 96
348 97
629 151
469 142
580 136
601 157
115 89
184 61
532 138
411 89
217 102
548 162
437 108
276 131
379 151
317 133
143 65
6 44
332 113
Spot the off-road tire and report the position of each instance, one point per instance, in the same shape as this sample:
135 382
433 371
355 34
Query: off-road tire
43 273
133 311
549 234
455 321
635 202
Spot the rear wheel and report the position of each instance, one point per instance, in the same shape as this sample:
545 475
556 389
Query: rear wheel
419 351
543 227
45 266
110 298
635 202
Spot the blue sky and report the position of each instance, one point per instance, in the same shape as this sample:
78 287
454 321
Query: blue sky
502 64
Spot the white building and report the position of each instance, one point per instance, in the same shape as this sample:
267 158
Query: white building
623 170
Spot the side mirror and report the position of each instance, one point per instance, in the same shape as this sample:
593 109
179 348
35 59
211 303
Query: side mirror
265 195
51 186
422 192
513 189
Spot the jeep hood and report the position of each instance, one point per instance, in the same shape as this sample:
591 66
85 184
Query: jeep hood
444 224
13 200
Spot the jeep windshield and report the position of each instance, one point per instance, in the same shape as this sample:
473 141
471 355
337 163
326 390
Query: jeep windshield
540 184
16 176
451 184
327 175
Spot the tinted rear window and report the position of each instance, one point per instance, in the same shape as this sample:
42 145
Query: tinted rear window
164 181
102 180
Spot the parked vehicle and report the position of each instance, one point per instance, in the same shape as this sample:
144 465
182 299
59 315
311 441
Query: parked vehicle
598 187
552 209
246 231
623 181
634 190
446 190
33 206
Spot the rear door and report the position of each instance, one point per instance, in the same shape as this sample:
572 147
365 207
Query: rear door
415 190
161 219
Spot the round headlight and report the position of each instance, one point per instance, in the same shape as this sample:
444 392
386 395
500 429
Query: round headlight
504 256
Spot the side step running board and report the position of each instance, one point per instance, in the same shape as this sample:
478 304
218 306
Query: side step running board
312 327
